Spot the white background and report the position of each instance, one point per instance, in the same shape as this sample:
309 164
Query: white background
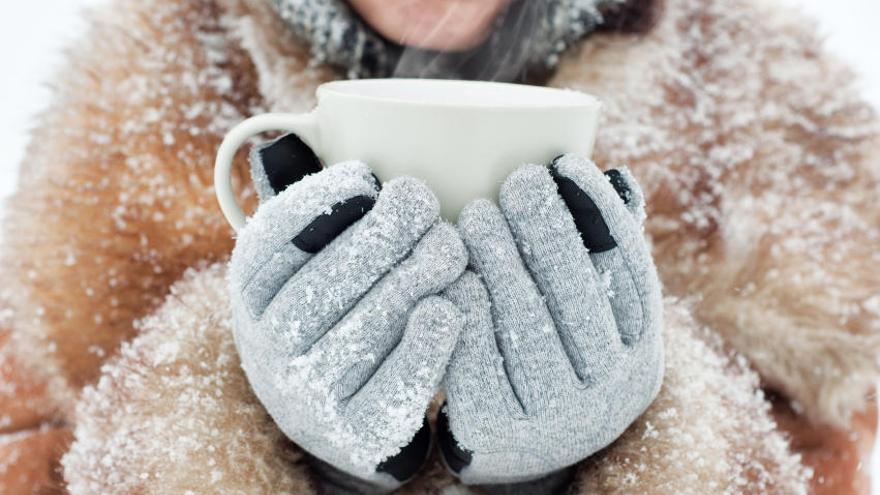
32 33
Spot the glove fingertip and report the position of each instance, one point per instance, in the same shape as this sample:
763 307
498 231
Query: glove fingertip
522 186
415 198
479 220
438 317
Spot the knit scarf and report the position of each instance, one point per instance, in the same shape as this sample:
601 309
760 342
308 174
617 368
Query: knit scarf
526 41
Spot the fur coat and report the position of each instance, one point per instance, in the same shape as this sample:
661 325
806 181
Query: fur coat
759 160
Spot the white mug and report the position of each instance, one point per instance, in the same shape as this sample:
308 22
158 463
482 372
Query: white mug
461 137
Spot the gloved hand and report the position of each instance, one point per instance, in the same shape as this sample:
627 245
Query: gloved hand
562 348
336 317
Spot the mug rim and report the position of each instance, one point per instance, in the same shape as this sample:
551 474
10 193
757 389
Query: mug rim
548 97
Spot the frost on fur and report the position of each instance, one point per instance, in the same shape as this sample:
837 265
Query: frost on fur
116 196
174 412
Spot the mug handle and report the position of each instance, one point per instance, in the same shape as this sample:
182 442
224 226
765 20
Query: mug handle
305 126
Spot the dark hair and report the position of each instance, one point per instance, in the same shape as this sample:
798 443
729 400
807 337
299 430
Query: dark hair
632 16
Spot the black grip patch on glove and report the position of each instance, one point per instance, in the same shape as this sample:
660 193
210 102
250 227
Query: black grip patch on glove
587 217
619 184
456 458
323 229
287 160
407 462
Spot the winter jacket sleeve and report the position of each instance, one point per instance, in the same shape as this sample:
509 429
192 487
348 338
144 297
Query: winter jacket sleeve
174 411
177 392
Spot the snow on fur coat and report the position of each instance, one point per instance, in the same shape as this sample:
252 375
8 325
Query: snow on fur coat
759 161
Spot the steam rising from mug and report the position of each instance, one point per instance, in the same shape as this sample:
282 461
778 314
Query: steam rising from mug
525 42
461 137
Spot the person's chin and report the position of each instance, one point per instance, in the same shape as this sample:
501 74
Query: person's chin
444 25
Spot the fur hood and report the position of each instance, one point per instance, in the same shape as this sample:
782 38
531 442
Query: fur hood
758 159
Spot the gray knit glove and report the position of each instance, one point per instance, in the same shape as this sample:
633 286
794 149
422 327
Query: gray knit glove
336 317
562 348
